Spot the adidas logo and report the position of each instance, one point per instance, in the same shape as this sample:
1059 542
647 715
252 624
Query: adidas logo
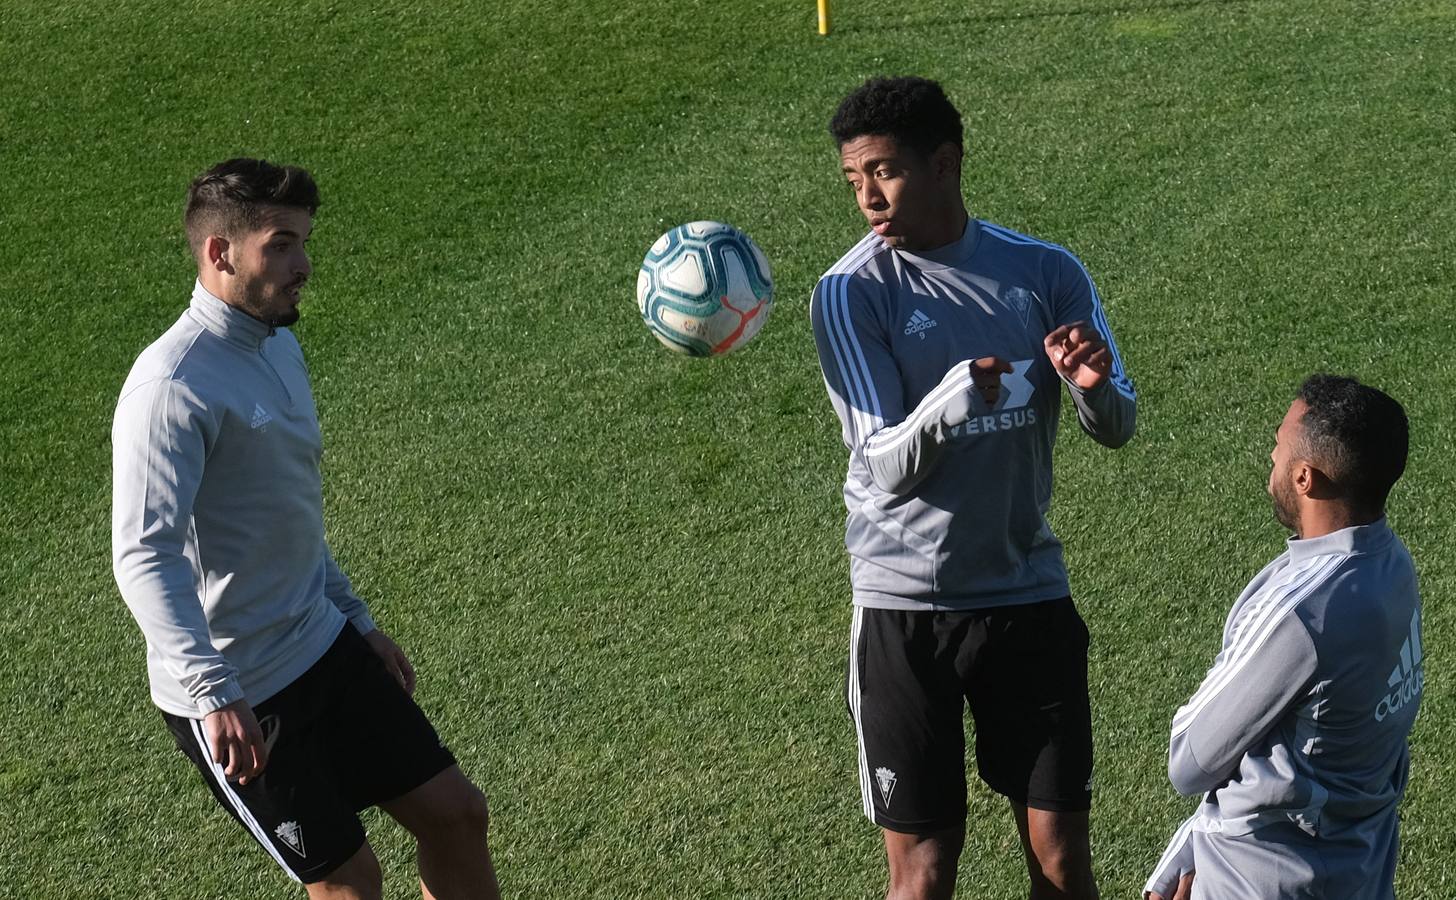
886 779
290 834
919 323
1408 677
260 416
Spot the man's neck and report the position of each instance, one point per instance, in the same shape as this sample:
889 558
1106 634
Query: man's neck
1318 520
950 230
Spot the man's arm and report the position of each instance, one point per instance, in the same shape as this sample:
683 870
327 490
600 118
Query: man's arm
900 447
1085 355
160 439
1254 681
341 593
1172 877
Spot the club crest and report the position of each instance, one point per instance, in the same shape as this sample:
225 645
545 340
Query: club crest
1019 300
887 780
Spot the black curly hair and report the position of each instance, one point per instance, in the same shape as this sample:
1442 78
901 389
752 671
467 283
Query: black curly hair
914 111
1356 435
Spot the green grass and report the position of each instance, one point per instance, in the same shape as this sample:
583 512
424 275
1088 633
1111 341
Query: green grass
619 572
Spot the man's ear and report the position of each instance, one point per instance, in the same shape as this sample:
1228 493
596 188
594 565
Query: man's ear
215 253
946 162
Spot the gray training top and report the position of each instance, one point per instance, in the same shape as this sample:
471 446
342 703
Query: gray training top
1297 735
948 497
217 512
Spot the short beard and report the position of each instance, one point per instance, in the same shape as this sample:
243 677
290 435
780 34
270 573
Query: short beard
1286 509
283 320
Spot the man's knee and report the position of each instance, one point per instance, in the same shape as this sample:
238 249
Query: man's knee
359 878
465 812
923 867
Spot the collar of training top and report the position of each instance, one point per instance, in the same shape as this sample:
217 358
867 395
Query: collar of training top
232 325
1346 542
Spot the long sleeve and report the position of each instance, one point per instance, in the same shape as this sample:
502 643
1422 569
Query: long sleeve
1108 412
1254 680
899 447
160 440
341 593
1176 861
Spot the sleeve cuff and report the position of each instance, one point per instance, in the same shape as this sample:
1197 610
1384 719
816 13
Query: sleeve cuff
362 622
229 692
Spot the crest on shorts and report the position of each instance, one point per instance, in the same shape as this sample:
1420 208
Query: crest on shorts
886 779
290 834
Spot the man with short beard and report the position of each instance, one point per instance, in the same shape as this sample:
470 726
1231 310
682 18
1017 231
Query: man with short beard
1297 737
266 665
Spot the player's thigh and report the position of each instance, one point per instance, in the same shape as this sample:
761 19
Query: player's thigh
294 808
1028 693
383 743
906 704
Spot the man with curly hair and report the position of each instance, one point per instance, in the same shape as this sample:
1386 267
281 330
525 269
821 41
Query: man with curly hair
945 342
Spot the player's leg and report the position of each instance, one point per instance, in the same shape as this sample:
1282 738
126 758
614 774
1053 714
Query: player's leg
359 878
1058 852
390 756
905 699
923 865
1028 692
448 817
294 809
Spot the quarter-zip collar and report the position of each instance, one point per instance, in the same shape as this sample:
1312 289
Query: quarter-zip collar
232 325
1355 540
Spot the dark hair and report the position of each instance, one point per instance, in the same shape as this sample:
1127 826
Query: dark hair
229 198
1356 435
914 111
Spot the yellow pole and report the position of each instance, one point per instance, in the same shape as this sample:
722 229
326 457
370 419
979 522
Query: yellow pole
823 16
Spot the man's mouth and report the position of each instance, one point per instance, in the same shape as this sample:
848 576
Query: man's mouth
880 226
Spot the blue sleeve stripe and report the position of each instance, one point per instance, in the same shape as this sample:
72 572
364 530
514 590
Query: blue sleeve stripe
859 391
871 395
1119 379
825 290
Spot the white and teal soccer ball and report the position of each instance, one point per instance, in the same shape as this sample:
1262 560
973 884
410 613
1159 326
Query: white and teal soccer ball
704 289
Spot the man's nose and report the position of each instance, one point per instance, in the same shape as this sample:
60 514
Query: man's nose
872 197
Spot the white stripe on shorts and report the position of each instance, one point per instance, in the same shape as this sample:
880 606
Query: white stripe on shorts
854 710
237 802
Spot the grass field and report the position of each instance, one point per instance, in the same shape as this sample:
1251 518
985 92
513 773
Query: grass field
620 572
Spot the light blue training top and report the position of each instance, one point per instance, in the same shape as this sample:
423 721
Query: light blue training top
947 497
217 512
1296 739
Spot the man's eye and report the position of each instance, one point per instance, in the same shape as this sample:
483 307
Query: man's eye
884 173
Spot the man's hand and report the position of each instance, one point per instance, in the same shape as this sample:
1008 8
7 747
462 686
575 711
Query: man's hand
1079 354
1184 891
986 375
394 659
236 742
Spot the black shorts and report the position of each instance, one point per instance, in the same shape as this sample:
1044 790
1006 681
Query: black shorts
1022 670
344 736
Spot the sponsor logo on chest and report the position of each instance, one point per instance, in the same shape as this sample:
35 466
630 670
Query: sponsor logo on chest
1013 408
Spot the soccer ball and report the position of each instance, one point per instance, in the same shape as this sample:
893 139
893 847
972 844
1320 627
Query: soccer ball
704 289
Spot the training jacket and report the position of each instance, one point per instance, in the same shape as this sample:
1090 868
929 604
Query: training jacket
947 497
1297 735
217 512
